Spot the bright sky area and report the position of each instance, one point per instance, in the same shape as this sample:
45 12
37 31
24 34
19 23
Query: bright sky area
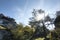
21 10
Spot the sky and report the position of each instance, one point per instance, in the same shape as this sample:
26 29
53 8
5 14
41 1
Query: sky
21 10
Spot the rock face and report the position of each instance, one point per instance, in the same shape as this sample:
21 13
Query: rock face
7 22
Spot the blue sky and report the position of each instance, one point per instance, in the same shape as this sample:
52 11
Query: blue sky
21 10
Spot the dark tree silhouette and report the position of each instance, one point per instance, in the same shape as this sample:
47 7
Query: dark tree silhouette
40 28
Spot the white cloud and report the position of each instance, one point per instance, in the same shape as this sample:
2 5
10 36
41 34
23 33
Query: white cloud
50 26
21 15
18 14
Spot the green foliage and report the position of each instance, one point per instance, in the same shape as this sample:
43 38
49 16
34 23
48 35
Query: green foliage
28 29
22 33
39 39
54 35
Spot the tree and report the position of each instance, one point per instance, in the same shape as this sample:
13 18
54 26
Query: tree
57 20
18 32
39 23
22 33
56 33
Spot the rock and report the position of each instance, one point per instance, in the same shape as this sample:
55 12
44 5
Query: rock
7 22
